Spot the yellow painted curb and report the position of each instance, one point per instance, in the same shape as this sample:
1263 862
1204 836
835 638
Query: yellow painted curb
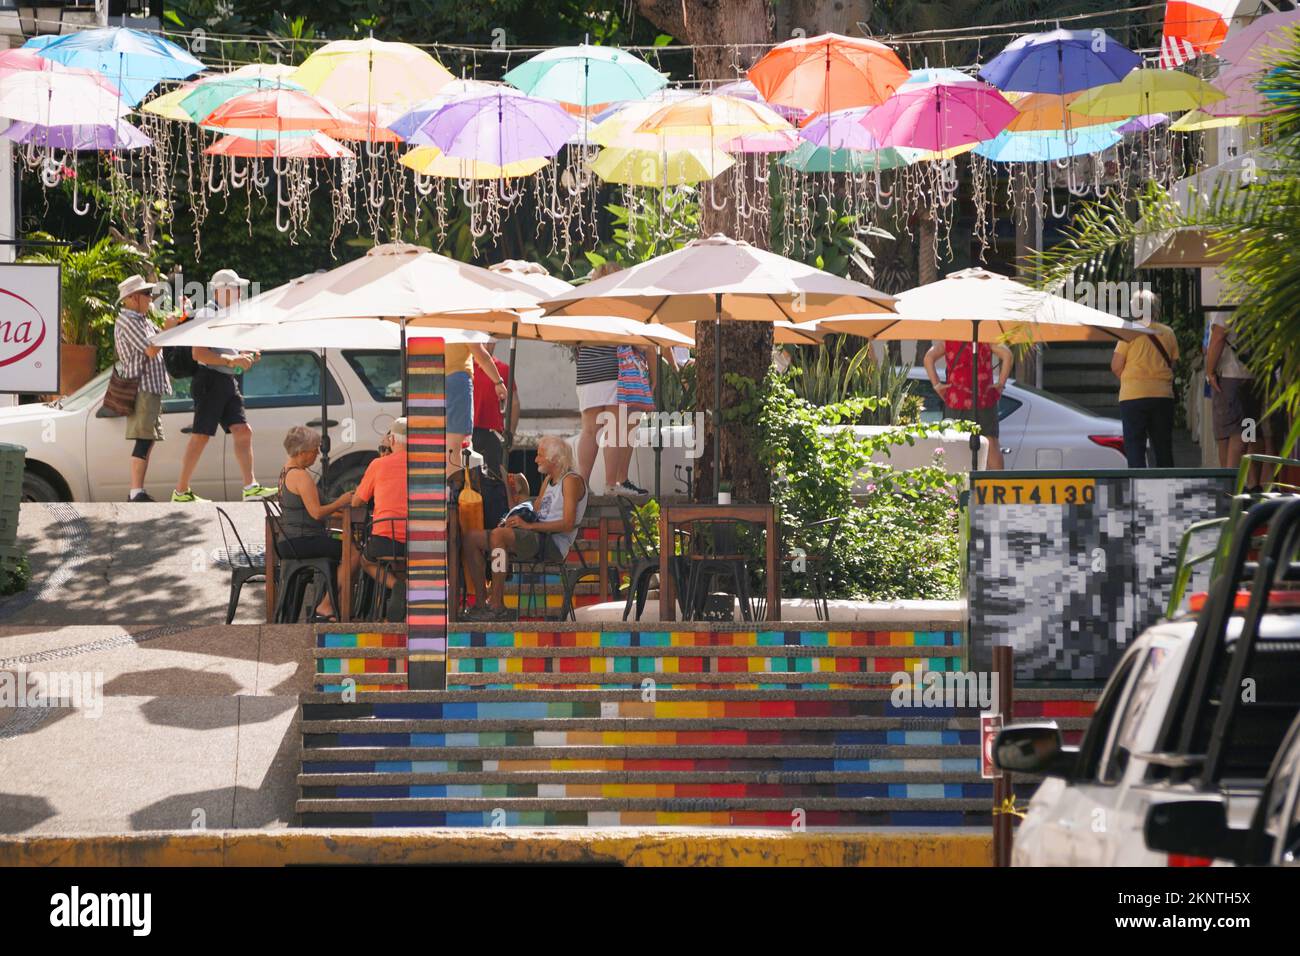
625 847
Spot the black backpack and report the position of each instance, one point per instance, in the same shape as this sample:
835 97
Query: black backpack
179 360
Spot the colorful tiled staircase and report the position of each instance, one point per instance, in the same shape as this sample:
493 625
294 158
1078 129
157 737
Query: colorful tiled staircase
708 726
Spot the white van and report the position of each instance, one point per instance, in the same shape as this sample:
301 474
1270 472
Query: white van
1197 706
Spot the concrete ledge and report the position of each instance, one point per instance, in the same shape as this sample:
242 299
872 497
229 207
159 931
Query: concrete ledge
618 847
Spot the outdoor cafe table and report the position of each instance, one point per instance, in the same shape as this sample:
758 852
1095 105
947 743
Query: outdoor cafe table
673 516
345 595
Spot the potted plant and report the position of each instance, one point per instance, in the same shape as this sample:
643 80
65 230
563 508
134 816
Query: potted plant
89 304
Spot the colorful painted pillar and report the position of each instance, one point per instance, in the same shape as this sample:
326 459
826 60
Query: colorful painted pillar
426 491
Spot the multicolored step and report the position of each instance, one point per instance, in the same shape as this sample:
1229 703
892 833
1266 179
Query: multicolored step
362 660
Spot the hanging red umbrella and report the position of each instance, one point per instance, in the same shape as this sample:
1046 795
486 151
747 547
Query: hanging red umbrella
279 109
316 146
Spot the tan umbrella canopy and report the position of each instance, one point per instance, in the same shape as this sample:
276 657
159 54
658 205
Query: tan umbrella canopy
975 305
726 280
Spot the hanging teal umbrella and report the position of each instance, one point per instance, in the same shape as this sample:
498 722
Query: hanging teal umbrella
585 75
810 158
1041 146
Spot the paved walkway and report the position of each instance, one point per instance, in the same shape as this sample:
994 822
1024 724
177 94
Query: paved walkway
170 727
134 565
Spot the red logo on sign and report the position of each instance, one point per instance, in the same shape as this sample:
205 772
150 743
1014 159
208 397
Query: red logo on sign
22 328
990 726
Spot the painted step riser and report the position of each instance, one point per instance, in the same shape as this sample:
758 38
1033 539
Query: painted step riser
705 738
748 764
580 818
665 710
903 641
673 665
884 790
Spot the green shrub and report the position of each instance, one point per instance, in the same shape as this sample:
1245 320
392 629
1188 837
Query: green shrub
15 577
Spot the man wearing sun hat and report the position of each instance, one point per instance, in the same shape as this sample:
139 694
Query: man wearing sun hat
137 359
218 399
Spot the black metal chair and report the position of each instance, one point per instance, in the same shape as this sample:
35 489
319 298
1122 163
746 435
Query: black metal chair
244 565
531 575
382 600
806 551
297 575
715 556
638 559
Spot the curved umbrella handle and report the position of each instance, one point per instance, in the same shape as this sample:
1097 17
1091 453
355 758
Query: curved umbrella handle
281 226
423 184
78 209
1057 213
237 179
50 172
213 187
1071 183
261 178
881 193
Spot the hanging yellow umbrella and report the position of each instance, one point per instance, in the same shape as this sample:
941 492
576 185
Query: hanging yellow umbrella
643 167
1196 120
431 161
168 106
1143 92
370 73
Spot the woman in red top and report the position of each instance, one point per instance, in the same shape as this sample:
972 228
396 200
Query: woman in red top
957 392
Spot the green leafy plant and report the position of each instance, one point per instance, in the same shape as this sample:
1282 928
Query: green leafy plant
15 576
899 539
89 289
829 373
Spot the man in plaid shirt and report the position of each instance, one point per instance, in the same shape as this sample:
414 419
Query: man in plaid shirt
137 359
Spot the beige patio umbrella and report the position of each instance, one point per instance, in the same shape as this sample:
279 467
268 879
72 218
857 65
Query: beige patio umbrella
731 280
975 305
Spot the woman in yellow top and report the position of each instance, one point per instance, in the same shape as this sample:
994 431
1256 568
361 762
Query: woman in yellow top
1145 368
460 394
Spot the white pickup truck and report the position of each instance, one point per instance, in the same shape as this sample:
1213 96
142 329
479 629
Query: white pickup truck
1196 708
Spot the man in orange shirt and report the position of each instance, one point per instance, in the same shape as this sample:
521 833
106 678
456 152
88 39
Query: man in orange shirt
385 483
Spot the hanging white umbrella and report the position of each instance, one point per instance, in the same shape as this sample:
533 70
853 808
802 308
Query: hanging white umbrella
62 98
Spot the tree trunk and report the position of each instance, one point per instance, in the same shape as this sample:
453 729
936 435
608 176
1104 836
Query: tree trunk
746 346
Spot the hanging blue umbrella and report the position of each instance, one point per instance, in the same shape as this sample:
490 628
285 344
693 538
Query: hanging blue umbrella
1060 61
585 75
1041 146
132 61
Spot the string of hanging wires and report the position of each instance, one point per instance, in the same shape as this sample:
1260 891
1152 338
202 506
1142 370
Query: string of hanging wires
927 38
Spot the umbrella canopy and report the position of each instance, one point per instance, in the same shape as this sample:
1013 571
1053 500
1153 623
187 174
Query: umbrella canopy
531 274
60 99
1009 147
808 158
273 336
408 124
277 109
431 161
1241 96
750 284
500 128
586 75
640 167
25 60
718 117
132 61
312 146
371 72
977 305
1140 124
367 125
121 135
841 129
1060 61
745 90
620 128
1253 44
939 74
939 116
1047 113
830 72
1147 91
396 281
1197 120
168 105
207 94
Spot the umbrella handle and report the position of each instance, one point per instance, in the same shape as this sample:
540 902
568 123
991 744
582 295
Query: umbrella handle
260 181
79 210
213 187
1073 185
765 167
423 184
281 226
948 176
1057 213
376 201
371 150
50 171
279 167
237 179
713 191
881 193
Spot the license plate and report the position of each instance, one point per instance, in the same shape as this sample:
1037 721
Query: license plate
1046 491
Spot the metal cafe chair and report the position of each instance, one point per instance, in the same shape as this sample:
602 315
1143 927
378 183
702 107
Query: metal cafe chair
244 565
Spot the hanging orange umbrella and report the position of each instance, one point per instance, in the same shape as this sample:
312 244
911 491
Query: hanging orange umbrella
278 109
1046 112
828 72
370 126
316 146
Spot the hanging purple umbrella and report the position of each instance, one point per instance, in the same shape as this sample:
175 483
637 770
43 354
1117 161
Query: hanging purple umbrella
500 128
841 129
1060 61
80 138
1140 124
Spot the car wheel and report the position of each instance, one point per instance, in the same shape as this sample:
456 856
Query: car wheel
344 479
36 488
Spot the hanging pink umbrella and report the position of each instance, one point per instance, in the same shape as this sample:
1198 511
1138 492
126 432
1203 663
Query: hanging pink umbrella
23 60
315 146
775 141
938 116
1252 45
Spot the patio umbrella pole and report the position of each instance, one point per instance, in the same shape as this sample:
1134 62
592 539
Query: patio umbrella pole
975 392
510 391
324 423
659 404
717 394
402 353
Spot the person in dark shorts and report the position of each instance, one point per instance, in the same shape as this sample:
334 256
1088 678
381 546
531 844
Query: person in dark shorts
218 400
964 400
303 515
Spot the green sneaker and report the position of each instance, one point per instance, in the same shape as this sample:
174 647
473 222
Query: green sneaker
187 497
258 492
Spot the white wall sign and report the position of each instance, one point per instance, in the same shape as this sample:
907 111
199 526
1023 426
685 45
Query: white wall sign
29 327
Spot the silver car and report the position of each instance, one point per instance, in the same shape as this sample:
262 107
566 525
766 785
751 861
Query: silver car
1039 430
